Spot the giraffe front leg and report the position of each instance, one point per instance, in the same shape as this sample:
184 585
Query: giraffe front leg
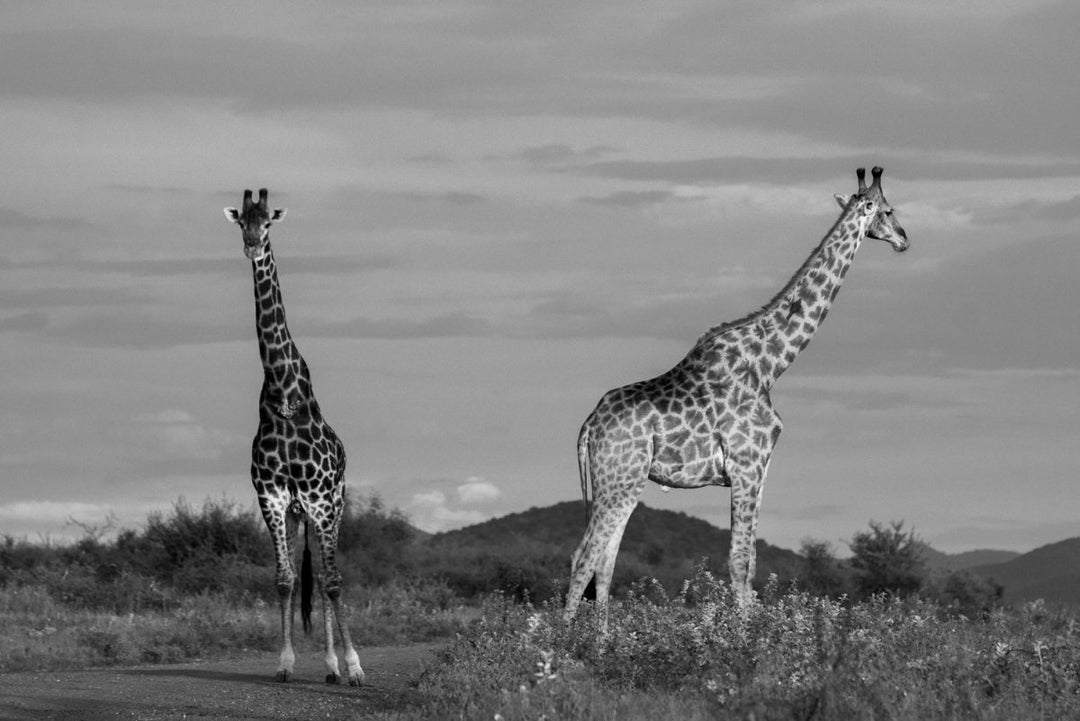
747 488
286 586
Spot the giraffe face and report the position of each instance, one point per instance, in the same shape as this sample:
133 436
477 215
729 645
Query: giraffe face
255 220
884 226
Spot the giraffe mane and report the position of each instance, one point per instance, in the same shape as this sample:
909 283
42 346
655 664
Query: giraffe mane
716 332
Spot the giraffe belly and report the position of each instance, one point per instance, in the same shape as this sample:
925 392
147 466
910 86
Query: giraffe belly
687 466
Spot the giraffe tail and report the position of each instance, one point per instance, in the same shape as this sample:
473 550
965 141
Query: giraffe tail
583 469
306 580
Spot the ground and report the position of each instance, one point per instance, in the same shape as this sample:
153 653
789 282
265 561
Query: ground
237 688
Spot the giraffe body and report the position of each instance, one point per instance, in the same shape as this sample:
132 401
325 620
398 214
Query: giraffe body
709 421
297 460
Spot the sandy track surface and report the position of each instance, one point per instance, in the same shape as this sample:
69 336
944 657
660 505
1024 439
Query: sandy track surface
237 688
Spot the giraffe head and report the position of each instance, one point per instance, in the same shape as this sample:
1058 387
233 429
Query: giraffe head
255 220
881 221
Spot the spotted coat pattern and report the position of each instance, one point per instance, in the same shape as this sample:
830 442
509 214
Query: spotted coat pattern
297 460
709 421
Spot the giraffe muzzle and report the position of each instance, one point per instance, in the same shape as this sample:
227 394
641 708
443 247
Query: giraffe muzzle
254 251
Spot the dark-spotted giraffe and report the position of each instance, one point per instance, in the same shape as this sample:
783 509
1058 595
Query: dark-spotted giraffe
709 421
297 461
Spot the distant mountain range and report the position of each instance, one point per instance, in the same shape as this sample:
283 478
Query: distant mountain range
937 561
665 544
1050 572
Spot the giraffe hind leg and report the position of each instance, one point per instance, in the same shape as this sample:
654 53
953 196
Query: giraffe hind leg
333 672
330 589
583 564
606 569
599 547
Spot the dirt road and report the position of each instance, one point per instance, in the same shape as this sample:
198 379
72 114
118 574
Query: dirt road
238 688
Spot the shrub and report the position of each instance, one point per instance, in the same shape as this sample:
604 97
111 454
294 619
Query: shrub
887 560
823 574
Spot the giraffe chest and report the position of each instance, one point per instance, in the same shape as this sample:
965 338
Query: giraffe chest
305 450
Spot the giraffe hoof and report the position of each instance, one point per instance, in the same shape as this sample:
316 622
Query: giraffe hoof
357 679
283 676
333 678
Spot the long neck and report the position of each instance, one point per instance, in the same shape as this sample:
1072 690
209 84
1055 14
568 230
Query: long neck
767 341
281 359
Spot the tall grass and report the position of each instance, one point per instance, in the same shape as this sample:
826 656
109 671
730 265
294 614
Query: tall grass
791 656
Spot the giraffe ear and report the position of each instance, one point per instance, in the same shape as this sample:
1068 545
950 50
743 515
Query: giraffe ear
842 199
278 214
233 215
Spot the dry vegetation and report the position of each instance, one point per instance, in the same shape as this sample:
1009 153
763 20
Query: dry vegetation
199 582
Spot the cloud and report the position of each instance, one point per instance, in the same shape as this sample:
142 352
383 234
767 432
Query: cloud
296 265
631 198
477 491
446 325
736 169
139 330
699 64
50 511
29 322
17 220
178 434
560 154
447 506
431 511
61 297
1030 209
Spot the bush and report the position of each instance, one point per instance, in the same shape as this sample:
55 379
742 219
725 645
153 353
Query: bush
887 560
793 655
823 574
964 593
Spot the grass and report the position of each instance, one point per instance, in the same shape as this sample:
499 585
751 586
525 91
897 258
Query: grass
793 656
198 584
687 656
38 632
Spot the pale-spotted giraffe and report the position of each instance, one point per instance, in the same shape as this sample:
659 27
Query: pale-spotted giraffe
297 461
709 420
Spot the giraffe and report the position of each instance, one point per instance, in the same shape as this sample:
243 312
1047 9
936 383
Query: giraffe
709 421
297 461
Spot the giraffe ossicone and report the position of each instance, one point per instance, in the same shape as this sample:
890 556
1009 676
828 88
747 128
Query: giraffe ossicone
297 460
709 421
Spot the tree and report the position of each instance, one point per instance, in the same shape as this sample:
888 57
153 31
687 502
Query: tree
965 593
887 560
823 574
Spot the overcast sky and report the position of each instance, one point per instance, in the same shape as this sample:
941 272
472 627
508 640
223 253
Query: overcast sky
499 210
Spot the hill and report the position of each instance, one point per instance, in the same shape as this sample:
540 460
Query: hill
950 562
1051 572
661 544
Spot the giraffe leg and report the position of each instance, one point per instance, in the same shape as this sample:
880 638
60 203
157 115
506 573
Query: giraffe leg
606 568
582 566
747 488
613 503
283 527
330 582
330 658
